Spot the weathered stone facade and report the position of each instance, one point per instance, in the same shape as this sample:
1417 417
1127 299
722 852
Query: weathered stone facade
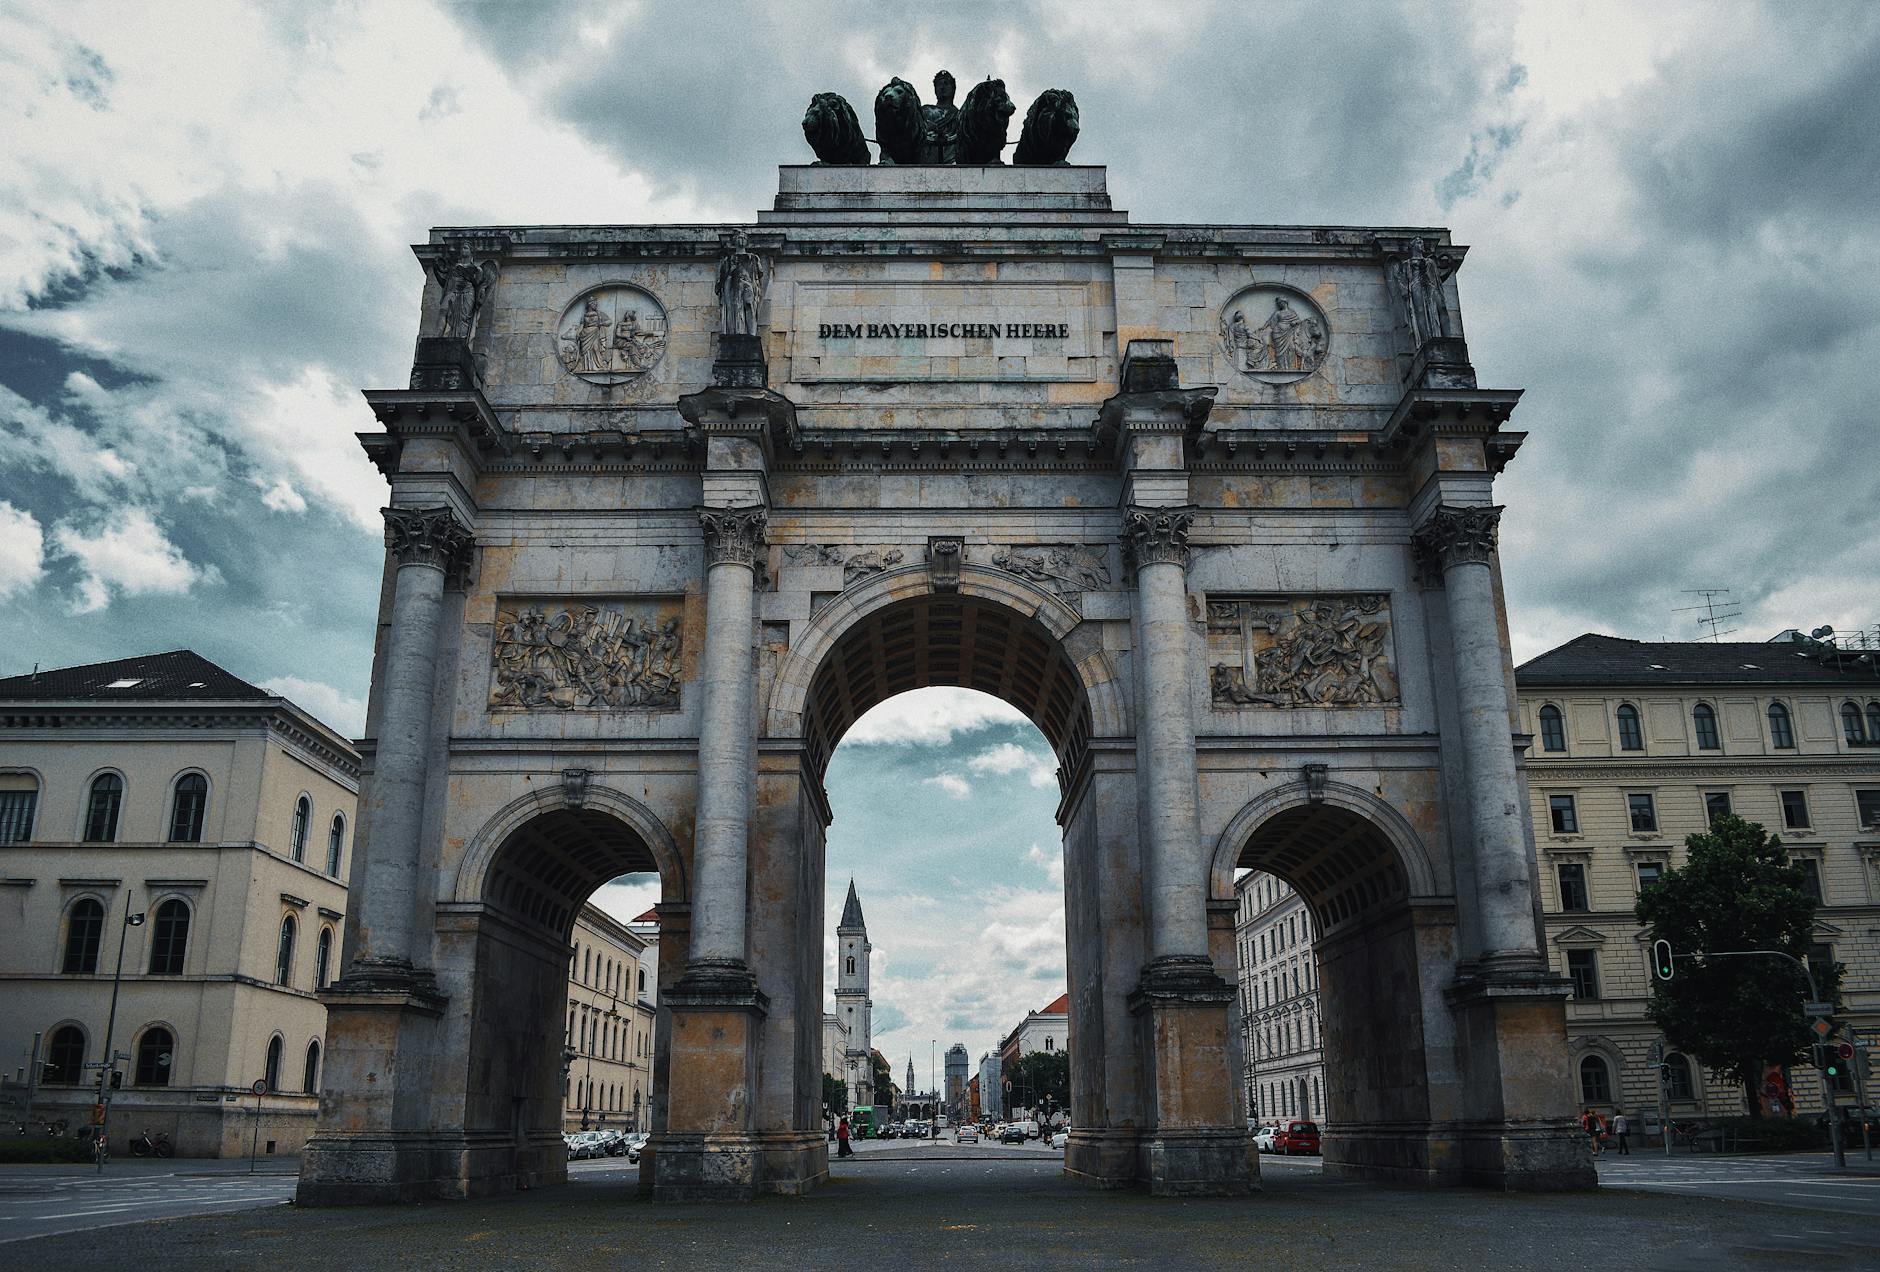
962 426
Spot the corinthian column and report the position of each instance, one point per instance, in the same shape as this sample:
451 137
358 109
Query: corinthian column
1461 541
1178 919
427 543
733 537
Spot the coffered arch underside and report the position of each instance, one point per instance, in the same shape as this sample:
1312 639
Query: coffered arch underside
994 632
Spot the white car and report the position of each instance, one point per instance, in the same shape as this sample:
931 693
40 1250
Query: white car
1263 1139
967 1133
1061 1137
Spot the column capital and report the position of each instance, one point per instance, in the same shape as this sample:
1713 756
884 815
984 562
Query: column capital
1452 536
1158 535
427 536
734 534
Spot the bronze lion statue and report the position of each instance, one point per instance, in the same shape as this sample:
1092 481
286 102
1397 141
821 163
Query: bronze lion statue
1050 129
983 119
898 123
833 131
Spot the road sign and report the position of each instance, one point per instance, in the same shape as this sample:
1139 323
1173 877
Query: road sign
1845 1051
1818 1009
97 1115
1822 1027
260 1087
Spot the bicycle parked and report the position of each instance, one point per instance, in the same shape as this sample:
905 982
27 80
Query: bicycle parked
145 1146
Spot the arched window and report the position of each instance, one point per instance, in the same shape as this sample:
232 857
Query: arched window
1873 721
272 1072
84 931
1631 737
1553 729
335 843
169 937
642 980
101 808
303 818
1704 720
1781 731
851 970
1595 1081
155 1052
323 958
19 796
188 805
65 1057
284 954
1678 1084
1851 723
310 1076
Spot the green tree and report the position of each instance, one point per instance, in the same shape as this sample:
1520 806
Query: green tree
1737 891
884 1083
1038 1074
835 1095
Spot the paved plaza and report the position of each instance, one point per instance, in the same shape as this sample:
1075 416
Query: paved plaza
900 1205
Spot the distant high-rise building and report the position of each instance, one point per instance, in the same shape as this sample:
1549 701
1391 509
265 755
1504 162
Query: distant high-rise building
991 1093
957 1064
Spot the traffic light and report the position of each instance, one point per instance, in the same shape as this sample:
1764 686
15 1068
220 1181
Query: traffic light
1662 964
117 1079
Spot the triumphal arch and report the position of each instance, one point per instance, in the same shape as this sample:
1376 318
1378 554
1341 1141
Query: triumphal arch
673 505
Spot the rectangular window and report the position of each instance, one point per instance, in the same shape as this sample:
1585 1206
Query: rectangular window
1795 809
1648 872
1811 877
1821 966
16 816
1565 819
1867 803
1583 971
1716 804
1644 814
1573 887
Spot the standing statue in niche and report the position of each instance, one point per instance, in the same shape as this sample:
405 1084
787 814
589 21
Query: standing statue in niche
465 285
742 277
1420 278
940 123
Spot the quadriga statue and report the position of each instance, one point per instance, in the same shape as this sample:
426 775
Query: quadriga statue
898 123
833 131
1050 129
983 119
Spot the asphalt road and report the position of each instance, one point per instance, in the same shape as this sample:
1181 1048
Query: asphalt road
902 1205
1801 1181
37 1201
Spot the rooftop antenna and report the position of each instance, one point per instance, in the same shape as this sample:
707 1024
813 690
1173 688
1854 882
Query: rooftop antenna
1716 607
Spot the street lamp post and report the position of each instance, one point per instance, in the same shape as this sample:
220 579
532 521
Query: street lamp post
109 1061
933 1085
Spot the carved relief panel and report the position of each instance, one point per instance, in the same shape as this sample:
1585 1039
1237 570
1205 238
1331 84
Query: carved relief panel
586 655
612 333
1274 334
1290 651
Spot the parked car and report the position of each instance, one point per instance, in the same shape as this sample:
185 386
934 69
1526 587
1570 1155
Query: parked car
1263 1139
1013 1134
635 1145
1297 1137
966 1134
1060 1137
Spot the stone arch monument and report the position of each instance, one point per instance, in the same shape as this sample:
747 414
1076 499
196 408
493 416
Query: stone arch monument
672 506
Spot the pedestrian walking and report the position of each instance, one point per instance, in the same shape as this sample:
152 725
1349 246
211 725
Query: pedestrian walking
1621 1127
1589 1122
842 1139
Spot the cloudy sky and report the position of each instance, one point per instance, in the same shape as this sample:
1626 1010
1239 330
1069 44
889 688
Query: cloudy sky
205 213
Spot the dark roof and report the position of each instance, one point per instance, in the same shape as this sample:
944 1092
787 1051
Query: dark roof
178 676
852 911
1593 659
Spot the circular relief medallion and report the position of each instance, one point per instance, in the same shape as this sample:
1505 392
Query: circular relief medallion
1274 333
612 333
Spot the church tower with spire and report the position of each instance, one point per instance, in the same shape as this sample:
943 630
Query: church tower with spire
853 1007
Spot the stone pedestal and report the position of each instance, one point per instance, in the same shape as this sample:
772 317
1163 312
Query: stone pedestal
1197 1145
740 363
374 1144
710 1151
1518 1132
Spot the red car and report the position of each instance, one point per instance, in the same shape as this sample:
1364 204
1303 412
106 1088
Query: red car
1297 1137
